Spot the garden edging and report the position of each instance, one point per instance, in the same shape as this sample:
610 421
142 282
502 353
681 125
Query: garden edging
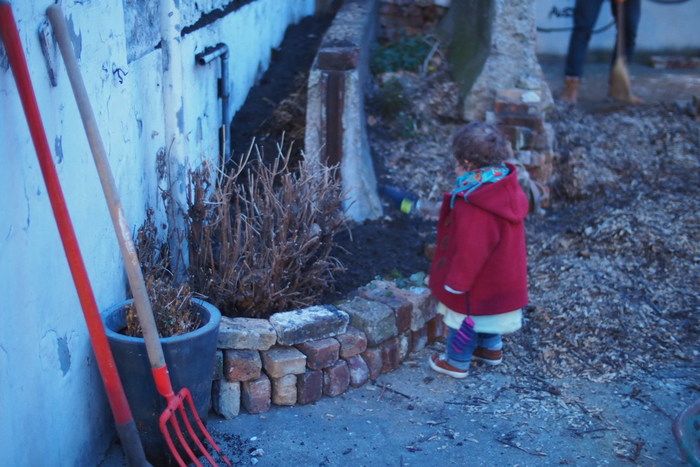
296 357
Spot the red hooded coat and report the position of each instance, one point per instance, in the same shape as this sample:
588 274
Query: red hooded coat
481 250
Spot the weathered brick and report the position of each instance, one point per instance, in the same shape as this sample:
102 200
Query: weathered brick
246 333
518 102
282 361
306 324
284 390
359 372
436 329
226 398
404 345
309 386
321 353
373 358
419 339
336 379
390 354
375 319
353 342
255 395
423 305
218 365
384 292
242 365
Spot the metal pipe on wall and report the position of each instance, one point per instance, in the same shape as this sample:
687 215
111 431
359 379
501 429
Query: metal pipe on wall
210 54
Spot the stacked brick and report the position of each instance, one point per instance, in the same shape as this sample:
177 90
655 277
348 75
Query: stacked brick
520 115
400 18
299 356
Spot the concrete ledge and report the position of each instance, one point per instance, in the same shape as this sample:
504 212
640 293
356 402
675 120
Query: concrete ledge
336 131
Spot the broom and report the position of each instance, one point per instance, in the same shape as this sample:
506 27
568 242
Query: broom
620 86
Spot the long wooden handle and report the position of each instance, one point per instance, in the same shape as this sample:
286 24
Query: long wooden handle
126 243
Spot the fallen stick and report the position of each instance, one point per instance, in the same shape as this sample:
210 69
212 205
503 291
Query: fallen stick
527 451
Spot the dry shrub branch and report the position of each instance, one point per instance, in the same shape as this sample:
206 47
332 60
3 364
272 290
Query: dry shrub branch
171 303
262 241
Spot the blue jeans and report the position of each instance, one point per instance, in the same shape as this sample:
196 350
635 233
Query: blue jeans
585 16
462 342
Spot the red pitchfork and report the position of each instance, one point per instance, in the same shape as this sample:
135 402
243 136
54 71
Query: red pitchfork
181 403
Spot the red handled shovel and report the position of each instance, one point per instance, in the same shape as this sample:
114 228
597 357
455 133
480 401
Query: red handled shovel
126 428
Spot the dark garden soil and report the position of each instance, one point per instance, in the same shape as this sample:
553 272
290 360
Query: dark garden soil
277 102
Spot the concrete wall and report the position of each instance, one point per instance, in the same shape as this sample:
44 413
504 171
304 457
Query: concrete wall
52 407
663 27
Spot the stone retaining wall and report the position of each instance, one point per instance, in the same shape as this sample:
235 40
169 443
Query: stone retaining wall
299 356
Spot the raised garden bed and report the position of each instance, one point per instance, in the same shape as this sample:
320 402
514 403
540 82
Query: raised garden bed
299 356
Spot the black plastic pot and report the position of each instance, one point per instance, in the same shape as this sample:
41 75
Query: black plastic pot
190 360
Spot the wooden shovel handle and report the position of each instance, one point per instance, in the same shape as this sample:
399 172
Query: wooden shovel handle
121 227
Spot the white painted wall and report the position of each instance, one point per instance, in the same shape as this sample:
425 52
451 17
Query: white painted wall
662 27
52 407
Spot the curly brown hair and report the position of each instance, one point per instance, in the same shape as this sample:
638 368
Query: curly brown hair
480 144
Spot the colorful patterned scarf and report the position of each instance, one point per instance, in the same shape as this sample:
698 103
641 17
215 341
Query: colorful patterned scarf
470 181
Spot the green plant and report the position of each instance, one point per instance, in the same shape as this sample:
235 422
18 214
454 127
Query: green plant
389 100
405 54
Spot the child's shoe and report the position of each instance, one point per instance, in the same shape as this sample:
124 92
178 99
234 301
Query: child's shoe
439 364
488 356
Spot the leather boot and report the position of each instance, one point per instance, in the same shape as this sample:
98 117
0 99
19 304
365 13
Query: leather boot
571 86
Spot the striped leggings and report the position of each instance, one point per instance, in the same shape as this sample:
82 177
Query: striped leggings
462 342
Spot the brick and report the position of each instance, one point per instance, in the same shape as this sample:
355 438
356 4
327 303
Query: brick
282 361
307 324
255 395
373 358
404 345
218 365
352 343
336 379
533 122
338 58
246 333
375 319
390 354
519 137
284 390
359 372
321 353
242 365
436 330
423 305
383 292
226 398
309 386
419 339
518 102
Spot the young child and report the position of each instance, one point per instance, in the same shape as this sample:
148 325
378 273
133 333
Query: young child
479 271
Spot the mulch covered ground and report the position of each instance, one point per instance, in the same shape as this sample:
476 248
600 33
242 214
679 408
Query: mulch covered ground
613 263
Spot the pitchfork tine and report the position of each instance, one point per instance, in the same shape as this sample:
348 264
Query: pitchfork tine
193 435
183 442
190 402
169 441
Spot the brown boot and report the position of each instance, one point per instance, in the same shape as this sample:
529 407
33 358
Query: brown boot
570 93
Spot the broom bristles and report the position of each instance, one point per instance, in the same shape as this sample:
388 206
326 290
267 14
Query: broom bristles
620 85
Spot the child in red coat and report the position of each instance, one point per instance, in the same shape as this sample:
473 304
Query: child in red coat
479 271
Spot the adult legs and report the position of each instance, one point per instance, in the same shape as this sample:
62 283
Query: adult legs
585 16
632 11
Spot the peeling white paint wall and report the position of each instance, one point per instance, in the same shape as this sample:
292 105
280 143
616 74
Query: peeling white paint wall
662 27
52 405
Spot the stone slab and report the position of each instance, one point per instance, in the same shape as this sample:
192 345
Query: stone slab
306 324
246 334
375 319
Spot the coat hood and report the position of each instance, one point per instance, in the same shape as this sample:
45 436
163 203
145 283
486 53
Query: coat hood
504 198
